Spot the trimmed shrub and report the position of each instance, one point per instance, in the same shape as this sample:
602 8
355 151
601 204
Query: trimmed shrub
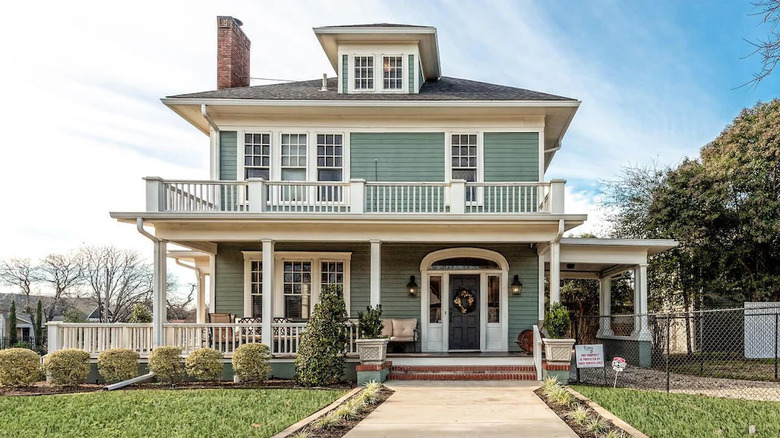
557 321
322 351
204 364
19 367
252 362
69 367
165 362
118 364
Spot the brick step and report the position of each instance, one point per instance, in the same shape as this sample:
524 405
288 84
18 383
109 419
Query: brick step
462 376
465 369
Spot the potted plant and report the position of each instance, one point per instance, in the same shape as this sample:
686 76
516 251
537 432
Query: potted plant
371 346
557 323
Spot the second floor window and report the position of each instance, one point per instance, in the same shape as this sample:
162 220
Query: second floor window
364 72
464 161
294 157
392 72
257 156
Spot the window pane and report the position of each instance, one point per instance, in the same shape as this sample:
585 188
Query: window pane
297 289
435 299
392 72
364 72
257 152
494 298
293 174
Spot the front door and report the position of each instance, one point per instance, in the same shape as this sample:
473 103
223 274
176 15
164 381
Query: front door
464 312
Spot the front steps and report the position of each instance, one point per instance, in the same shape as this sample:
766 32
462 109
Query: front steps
462 372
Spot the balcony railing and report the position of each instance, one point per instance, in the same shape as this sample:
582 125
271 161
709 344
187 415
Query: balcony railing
355 196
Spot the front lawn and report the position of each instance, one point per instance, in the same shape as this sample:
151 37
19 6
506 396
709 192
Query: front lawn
659 414
165 413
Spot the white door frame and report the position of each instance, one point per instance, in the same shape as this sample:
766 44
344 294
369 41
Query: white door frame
503 273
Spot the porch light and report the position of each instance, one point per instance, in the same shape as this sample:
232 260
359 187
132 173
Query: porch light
517 287
411 286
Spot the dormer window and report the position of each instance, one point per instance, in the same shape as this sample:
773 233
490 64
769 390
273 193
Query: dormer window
364 72
392 67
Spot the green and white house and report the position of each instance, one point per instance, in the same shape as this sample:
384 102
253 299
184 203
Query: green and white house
401 185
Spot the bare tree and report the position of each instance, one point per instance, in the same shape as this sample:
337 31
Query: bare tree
20 273
61 272
181 308
768 49
116 280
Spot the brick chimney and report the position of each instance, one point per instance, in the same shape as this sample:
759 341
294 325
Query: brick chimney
232 54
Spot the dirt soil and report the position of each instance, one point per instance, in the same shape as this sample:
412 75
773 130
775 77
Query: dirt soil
43 388
346 426
579 429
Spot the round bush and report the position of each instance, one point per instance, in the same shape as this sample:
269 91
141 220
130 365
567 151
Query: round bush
118 364
252 362
19 367
165 362
69 367
204 364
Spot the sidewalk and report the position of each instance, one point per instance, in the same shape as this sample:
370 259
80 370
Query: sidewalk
462 409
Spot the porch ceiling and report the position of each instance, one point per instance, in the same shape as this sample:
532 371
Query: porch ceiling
595 258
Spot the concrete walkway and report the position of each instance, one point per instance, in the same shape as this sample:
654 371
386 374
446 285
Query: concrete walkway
462 409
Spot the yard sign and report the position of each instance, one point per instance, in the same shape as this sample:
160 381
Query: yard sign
590 356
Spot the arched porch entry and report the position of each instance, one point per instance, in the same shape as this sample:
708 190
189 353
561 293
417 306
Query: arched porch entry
464 300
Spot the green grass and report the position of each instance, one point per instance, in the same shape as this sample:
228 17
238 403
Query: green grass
144 413
660 414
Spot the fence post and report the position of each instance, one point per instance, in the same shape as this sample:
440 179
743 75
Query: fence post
577 341
777 318
668 346
153 193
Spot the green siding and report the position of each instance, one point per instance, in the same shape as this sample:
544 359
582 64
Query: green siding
400 157
227 155
344 75
411 74
511 156
399 261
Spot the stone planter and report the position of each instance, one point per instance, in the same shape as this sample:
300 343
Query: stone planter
558 350
372 351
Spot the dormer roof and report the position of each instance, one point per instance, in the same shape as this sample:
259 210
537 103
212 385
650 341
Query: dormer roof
383 33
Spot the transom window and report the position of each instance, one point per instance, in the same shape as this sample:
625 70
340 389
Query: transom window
256 288
464 263
364 72
297 289
257 156
464 161
392 74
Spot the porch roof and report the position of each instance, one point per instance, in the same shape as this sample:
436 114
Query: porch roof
598 258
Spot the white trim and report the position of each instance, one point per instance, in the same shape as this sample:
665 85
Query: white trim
375 103
375 279
503 272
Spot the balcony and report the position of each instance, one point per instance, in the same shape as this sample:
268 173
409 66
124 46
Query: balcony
355 196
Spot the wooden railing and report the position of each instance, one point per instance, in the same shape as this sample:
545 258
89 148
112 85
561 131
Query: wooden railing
96 338
355 196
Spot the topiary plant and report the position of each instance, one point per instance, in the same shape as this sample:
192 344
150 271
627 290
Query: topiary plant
556 321
118 364
204 364
19 367
165 362
252 362
322 351
370 324
69 367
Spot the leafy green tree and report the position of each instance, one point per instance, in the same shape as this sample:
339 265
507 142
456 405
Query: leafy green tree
141 314
322 351
12 337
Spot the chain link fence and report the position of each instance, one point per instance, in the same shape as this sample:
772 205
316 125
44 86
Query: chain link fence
726 353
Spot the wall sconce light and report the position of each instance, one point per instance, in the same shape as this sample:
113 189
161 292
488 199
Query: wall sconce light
517 287
411 287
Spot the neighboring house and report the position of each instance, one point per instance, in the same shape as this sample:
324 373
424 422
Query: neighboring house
25 331
405 187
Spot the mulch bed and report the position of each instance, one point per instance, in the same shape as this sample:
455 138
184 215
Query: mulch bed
579 429
43 388
347 425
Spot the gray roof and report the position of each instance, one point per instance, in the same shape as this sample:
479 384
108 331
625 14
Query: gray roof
444 89
413 26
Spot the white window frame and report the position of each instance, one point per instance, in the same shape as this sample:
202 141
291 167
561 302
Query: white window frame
316 259
480 161
352 83
382 72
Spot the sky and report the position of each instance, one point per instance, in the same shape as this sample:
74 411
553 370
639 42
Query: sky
82 122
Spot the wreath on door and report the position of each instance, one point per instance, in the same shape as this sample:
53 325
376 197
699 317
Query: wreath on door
464 301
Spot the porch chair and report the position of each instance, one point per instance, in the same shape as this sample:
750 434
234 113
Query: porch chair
218 335
250 335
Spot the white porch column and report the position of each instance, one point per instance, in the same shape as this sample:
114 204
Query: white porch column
641 331
605 307
555 272
268 290
375 292
200 316
159 293
541 289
